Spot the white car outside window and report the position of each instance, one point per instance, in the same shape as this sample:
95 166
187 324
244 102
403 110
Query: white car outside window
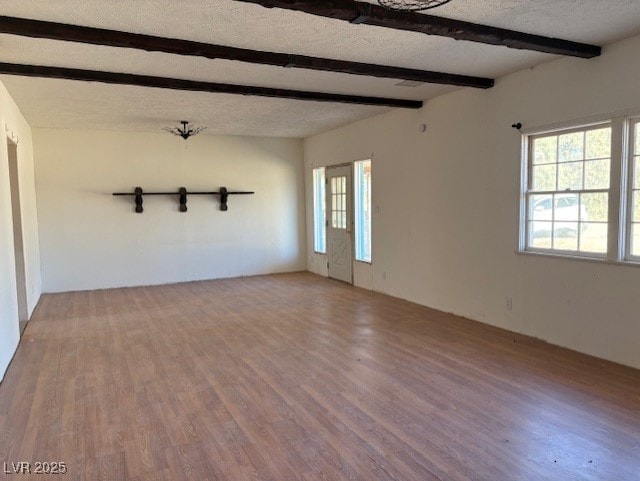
567 214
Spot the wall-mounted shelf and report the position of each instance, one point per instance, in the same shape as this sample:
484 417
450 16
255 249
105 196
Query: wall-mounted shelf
182 194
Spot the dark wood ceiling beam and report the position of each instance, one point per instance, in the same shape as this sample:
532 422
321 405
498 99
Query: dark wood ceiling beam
113 38
197 86
369 14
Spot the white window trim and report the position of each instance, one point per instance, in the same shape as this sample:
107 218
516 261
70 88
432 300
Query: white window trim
363 261
614 215
315 210
627 197
617 225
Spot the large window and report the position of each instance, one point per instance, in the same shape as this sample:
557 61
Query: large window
567 194
319 211
581 191
362 196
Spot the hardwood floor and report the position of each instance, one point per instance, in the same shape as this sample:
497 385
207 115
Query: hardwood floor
295 377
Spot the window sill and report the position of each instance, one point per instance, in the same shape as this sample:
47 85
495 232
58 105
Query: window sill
596 260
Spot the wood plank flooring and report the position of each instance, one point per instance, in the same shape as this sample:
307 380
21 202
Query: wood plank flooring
296 377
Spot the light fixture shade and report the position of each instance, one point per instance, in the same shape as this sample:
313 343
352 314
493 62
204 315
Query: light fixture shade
411 5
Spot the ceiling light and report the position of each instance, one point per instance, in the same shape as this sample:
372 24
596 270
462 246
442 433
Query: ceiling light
185 131
411 5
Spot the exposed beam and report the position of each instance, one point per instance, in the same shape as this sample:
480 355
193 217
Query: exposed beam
361 12
113 38
197 86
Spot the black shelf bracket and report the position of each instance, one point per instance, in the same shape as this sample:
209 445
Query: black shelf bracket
224 196
182 194
138 194
183 199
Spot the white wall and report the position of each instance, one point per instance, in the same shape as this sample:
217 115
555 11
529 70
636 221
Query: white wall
91 240
447 225
16 128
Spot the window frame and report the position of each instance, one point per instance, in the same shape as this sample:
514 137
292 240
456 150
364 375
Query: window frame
528 138
319 210
357 215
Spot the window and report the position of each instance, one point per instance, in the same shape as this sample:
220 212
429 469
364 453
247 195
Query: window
567 191
319 211
581 191
339 202
362 195
633 215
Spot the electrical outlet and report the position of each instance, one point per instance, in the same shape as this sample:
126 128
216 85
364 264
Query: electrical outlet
508 303
384 275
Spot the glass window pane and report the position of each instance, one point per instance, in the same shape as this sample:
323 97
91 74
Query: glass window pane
636 206
598 143
635 239
570 176
540 235
544 177
565 236
636 173
571 147
637 138
545 150
596 174
594 207
567 208
541 207
593 237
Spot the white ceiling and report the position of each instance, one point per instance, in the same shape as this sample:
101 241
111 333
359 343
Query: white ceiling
70 104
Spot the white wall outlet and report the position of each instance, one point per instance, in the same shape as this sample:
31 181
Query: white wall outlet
508 303
384 275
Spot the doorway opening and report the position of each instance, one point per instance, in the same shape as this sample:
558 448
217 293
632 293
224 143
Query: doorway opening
18 242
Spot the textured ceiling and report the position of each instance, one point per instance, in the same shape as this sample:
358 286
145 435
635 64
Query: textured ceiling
69 104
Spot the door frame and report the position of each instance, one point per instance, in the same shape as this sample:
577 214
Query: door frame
18 232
